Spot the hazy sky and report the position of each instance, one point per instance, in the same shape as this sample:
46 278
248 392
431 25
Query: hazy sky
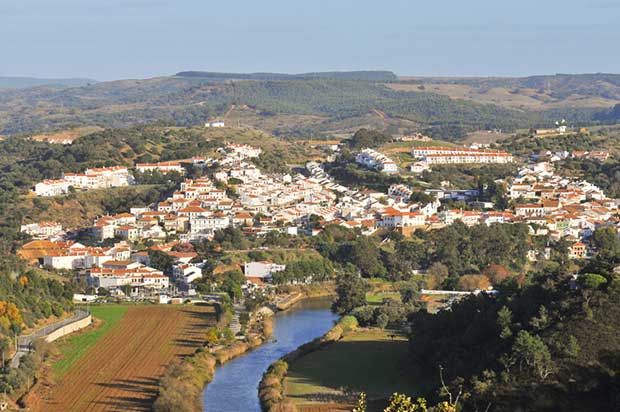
110 39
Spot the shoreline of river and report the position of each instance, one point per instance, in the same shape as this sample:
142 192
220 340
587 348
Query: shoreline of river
200 368
193 374
228 386
271 387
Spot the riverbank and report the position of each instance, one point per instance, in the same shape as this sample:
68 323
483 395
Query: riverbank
294 294
235 386
272 395
180 389
328 373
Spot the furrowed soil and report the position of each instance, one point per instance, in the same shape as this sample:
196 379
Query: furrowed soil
121 372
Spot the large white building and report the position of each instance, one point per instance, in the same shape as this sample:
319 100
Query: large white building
100 178
434 155
97 178
163 167
137 276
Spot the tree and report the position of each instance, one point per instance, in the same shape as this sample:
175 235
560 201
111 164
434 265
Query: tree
473 282
437 274
368 138
231 283
504 321
607 243
403 403
496 274
409 292
590 283
161 260
351 290
212 337
365 254
530 352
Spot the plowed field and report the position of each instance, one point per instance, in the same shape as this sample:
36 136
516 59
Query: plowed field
121 372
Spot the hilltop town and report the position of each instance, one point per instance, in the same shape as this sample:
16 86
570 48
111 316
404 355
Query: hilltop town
239 195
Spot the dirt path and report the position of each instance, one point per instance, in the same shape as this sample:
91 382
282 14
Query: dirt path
121 372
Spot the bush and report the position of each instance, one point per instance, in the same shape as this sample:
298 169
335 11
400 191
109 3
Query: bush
364 314
348 323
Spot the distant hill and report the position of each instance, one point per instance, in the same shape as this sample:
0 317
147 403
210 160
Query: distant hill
26 82
372 75
193 99
568 91
317 103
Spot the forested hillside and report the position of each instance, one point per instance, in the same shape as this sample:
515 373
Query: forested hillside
549 345
189 100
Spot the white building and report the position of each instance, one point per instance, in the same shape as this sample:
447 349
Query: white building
456 155
262 270
43 230
186 273
374 160
52 187
163 167
419 167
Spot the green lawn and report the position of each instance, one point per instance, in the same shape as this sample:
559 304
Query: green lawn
368 360
376 298
76 346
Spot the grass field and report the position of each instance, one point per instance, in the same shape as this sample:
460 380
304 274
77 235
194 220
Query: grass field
372 361
376 298
120 371
76 346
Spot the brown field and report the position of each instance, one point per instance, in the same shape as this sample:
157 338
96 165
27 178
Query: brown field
67 135
121 372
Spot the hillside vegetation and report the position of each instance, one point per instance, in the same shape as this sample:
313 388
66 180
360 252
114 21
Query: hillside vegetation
563 95
191 98
332 102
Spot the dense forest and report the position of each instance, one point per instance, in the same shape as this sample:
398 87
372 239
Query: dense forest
544 340
547 346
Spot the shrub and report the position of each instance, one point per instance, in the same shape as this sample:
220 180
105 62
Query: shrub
348 323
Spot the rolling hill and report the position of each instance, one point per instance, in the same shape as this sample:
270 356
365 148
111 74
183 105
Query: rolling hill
26 82
316 103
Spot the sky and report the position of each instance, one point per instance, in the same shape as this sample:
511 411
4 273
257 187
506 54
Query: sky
119 39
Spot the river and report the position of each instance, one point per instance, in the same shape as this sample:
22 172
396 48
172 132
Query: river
235 386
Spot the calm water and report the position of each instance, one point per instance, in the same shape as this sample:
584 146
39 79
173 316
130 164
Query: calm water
235 387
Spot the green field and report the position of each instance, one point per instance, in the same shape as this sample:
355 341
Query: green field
376 298
77 345
368 360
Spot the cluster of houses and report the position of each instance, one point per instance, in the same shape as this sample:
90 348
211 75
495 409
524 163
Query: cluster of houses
560 207
550 156
106 177
44 230
375 160
259 203
115 268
